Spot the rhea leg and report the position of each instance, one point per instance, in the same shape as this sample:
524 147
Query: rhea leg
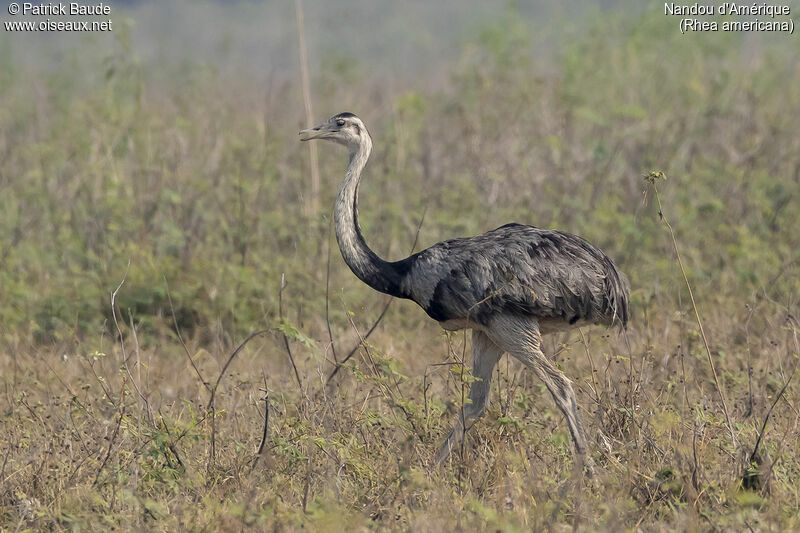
485 355
520 337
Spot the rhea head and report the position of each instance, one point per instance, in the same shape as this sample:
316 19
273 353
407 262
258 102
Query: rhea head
344 128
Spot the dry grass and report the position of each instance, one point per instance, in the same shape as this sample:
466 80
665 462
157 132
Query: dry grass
190 185
83 449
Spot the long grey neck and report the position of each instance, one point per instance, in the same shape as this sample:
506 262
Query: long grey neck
371 269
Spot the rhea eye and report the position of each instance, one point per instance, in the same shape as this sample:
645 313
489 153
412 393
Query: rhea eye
340 123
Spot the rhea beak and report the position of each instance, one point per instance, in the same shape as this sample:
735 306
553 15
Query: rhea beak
320 131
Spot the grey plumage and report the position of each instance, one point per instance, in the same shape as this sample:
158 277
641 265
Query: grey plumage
517 269
509 285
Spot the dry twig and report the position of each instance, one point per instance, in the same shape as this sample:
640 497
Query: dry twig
652 177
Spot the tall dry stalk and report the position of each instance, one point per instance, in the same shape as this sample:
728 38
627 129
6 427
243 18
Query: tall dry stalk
313 200
652 178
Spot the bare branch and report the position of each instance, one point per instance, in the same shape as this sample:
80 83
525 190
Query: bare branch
122 343
285 338
312 147
652 179
180 338
260 451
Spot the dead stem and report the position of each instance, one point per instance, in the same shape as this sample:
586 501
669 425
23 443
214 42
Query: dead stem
651 178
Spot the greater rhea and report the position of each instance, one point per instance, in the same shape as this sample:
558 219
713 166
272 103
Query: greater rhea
509 286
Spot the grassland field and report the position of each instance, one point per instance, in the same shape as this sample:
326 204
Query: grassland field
155 212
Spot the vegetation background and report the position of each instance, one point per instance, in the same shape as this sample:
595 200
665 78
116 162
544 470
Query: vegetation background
160 164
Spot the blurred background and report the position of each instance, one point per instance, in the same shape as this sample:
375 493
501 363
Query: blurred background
165 154
170 143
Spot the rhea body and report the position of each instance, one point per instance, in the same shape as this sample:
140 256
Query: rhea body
509 286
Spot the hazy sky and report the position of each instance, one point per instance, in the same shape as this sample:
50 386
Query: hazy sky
260 38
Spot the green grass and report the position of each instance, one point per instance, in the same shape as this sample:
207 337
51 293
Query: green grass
190 186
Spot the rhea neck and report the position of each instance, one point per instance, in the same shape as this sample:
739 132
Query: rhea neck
371 269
